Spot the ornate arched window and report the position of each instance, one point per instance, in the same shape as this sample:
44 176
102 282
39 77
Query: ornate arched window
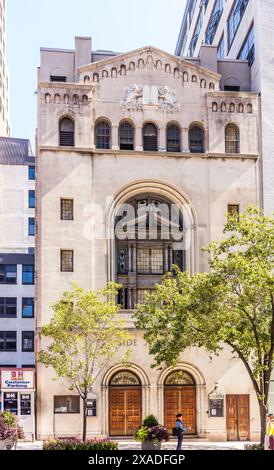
148 230
196 139
124 378
232 139
102 135
126 136
173 138
66 132
179 377
150 138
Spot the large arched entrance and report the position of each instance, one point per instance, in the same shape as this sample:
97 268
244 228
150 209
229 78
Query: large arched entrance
180 397
125 403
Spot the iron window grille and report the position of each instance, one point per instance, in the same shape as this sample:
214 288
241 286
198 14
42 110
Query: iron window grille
173 139
66 209
232 139
66 261
150 261
126 134
102 135
196 139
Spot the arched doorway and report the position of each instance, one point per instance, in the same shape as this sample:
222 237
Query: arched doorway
180 397
125 403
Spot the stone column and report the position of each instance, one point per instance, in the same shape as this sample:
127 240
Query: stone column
115 137
185 142
92 138
139 139
166 263
134 259
162 139
129 259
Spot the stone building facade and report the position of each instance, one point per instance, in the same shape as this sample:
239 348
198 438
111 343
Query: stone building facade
144 128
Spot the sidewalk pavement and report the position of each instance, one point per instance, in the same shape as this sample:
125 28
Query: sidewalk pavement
132 445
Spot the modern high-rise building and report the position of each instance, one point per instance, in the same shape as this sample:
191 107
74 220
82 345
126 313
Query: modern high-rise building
17 241
145 130
239 30
4 82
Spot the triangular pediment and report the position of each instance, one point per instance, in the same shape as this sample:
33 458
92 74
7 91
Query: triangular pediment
147 58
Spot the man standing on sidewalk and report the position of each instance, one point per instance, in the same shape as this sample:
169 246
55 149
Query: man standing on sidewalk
180 430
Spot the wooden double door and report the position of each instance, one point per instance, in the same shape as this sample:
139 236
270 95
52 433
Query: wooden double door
125 410
180 399
237 417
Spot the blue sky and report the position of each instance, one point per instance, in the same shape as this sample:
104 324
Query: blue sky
119 25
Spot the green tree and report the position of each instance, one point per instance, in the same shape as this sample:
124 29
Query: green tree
233 304
85 335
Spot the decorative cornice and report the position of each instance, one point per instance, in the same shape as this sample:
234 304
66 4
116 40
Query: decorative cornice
134 153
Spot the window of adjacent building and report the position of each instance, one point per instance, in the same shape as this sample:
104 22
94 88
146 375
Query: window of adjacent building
150 261
232 139
27 341
102 135
8 274
235 18
58 78
233 209
31 172
31 199
66 261
27 307
247 51
221 48
192 10
126 136
66 209
28 274
196 33
8 341
150 138
8 307
66 132
196 139
31 226
214 21
67 404
173 138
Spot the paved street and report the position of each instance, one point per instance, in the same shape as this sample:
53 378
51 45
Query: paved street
132 445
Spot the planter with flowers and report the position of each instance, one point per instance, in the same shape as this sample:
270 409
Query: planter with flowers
151 434
10 431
